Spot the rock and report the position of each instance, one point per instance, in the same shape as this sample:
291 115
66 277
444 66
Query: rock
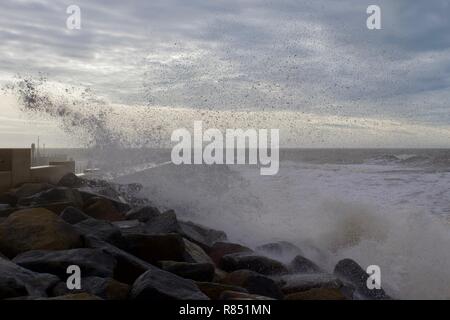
214 290
102 209
260 264
91 262
108 194
219 275
8 198
143 214
36 229
73 215
75 296
102 230
235 295
130 226
71 180
55 195
303 282
220 249
16 281
194 253
156 284
317 294
282 250
29 189
200 235
254 283
301 264
128 268
351 273
156 247
166 222
6 212
105 288
193 271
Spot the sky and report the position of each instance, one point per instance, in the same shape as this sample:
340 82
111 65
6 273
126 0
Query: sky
310 68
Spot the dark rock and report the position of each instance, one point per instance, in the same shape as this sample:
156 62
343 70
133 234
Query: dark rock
71 180
102 209
16 281
51 196
105 288
355 277
91 262
317 294
128 268
254 283
143 214
91 196
8 198
166 222
73 215
282 250
74 296
102 230
220 249
29 189
235 295
130 226
156 247
303 282
36 229
193 271
303 265
214 290
260 264
195 254
200 235
156 284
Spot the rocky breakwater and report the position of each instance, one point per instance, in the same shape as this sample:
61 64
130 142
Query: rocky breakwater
125 248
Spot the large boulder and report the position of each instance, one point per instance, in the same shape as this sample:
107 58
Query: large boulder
282 250
73 215
156 284
301 264
91 195
16 281
355 279
200 235
105 288
102 230
155 247
194 253
214 290
91 262
303 282
71 180
317 294
128 268
220 249
102 209
70 197
260 264
193 271
29 189
254 283
143 214
36 229
166 222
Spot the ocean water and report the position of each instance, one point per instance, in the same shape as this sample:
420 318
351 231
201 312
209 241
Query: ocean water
389 208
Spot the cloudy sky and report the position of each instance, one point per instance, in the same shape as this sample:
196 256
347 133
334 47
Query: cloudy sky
308 67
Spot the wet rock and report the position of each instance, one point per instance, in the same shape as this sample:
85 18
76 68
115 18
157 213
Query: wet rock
73 215
193 271
195 254
214 290
355 277
143 214
200 235
254 283
52 196
260 264
156 247
301 264
102 230
8 198
29 189
102 209
91 262
303 282
36 229
317 294
105 288
71 180
16 281
281 250
128 267
166 222
130 226
156 284
74 296
91 196
235 295
220 249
